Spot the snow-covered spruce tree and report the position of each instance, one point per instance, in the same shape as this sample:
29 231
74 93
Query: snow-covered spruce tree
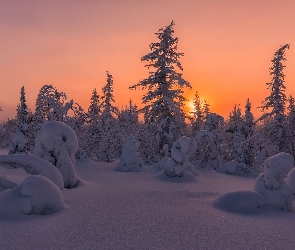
22 112
110 145
78 123
236 128
249 119
19 140
177 164
274 106
8 129
210 141
165 95
93 138
128 121
51 104
130 160
235 140
249 144
198 117
146 135
291 123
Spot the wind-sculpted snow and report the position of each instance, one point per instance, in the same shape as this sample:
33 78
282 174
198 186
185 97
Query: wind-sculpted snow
58 143
5 183
272 185
34 166
36 195
130 160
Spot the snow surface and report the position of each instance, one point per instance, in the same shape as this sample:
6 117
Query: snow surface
123 210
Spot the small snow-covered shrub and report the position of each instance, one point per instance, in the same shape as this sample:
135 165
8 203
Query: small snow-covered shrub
130 160
271 183
57 143
36 195
18 143
177 164
234 168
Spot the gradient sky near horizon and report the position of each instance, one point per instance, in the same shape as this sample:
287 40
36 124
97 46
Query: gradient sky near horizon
227 44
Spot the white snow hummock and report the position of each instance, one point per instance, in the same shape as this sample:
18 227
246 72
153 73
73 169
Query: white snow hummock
291 180
34 166
130 160
234 168
57 143
271 183
36 195
241 201
177 165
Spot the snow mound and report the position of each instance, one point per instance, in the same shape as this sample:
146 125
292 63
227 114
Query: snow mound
272 185
234 168
36 195
130 160
34 166
57 143
242 201
280 198
276 169
291 180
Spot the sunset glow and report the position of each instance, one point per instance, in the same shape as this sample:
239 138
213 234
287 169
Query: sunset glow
228 46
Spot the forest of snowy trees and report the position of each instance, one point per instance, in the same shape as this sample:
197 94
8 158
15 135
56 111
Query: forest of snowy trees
237 144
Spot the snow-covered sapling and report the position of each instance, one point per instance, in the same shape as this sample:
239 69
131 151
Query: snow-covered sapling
130 160
176 166
271 184
18 143
57 143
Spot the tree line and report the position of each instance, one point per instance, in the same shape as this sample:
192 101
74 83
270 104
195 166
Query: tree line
103 129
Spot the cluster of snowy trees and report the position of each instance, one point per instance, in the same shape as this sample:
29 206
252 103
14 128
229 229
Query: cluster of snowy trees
238 143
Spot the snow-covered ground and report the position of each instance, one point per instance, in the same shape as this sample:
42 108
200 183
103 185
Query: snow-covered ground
143 210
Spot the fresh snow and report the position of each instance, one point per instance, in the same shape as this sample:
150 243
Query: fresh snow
123 210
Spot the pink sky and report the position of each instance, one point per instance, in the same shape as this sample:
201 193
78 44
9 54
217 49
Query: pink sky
227 44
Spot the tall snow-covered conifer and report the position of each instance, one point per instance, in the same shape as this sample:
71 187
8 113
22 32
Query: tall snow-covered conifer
22 112
276 101
165 86
94 125
110 145
198 115
19 141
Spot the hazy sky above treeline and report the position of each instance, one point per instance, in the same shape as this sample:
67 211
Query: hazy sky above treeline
227 44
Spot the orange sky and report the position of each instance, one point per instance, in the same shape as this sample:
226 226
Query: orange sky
227 44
